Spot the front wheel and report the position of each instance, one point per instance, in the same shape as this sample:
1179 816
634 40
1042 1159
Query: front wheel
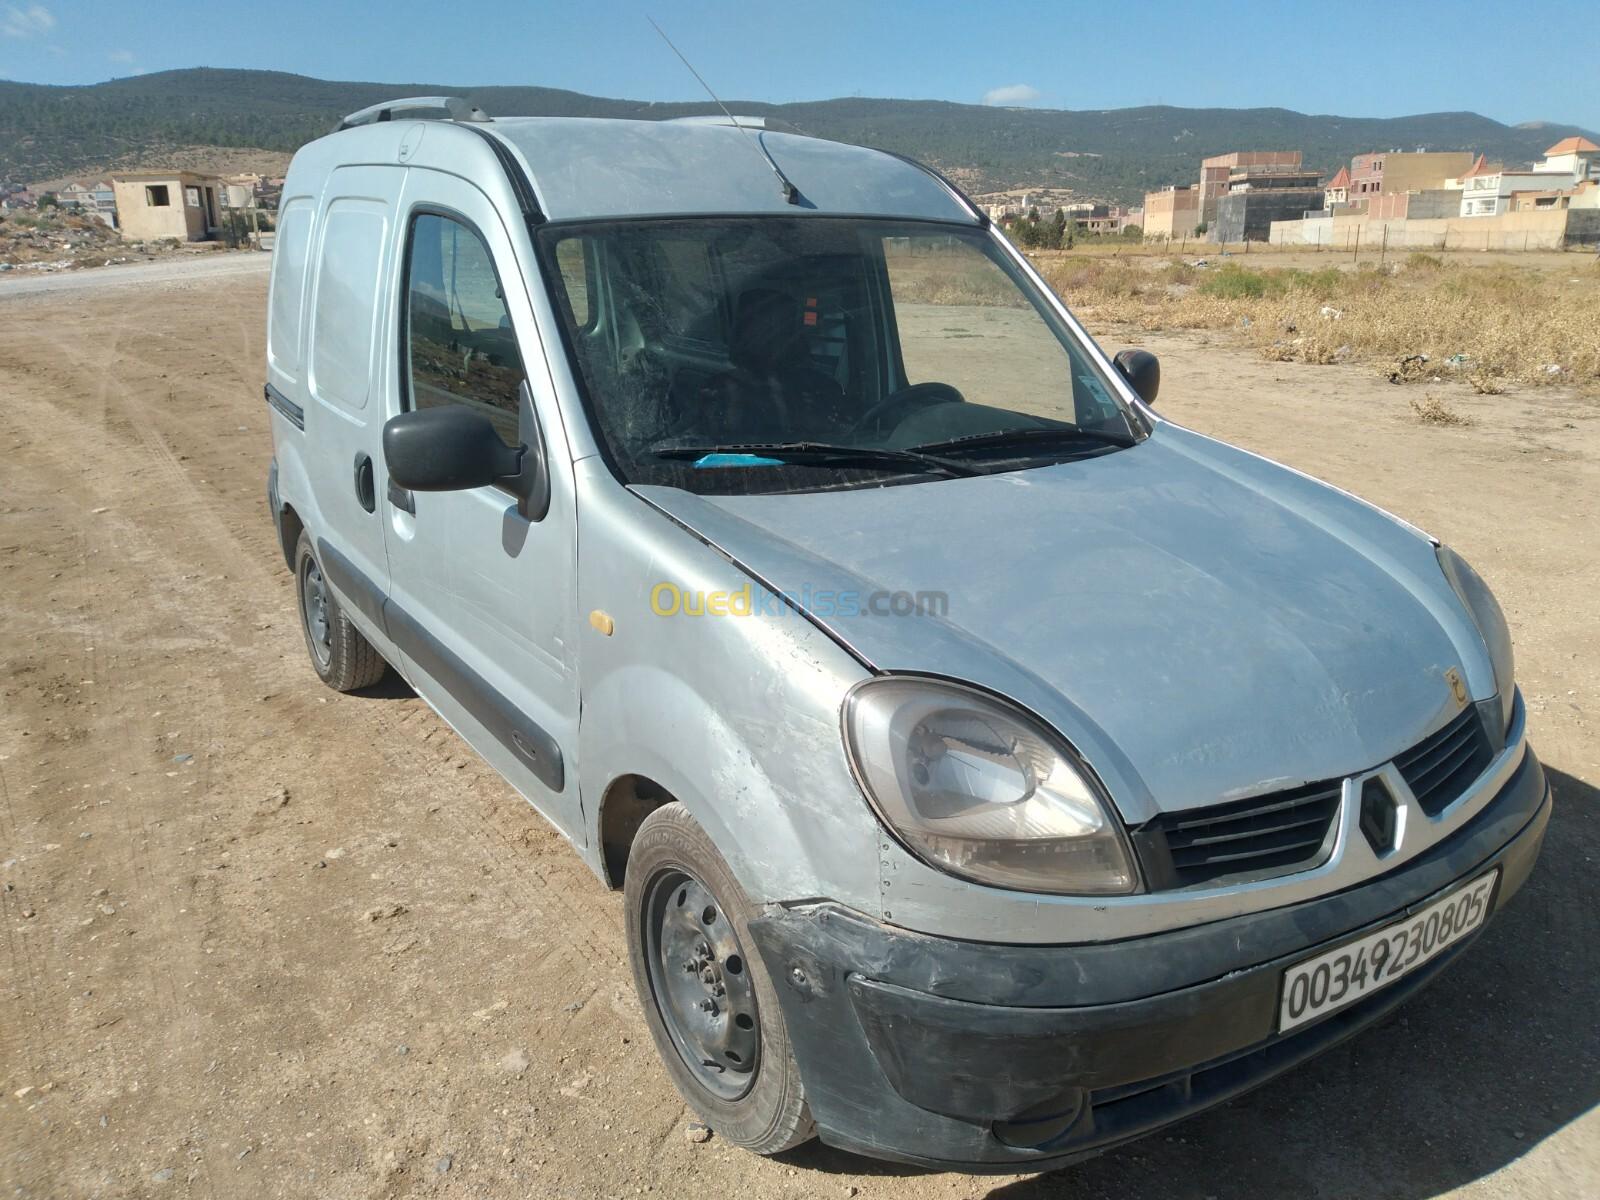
710 1006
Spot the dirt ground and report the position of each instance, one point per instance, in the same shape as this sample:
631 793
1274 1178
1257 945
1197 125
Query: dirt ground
264 940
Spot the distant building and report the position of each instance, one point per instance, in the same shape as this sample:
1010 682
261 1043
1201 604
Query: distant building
153 205
1585 194
1366 175
1173 212
1247 215
1338 190
95 199
1423 170
1486 190
1097 218
1219 173
1578 156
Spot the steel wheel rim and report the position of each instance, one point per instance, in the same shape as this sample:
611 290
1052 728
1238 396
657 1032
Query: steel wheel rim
314 602
701 985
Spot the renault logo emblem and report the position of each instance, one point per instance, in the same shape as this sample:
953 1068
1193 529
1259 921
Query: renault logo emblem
1458 686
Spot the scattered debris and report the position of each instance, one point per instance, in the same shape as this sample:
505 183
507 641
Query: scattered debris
1486 382
1408 369
183 760
1431 410
444 1164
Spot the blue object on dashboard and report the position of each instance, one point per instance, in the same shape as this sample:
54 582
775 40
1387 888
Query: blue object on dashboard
737 460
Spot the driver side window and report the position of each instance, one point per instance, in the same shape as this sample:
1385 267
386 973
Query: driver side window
459 344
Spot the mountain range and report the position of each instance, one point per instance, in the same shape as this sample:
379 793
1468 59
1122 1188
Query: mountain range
1111 154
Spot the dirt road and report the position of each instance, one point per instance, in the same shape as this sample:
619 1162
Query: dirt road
263 940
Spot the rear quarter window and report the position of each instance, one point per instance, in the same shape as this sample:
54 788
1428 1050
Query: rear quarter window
348 279
290 247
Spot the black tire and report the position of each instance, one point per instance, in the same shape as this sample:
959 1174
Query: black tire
341 657
770 1115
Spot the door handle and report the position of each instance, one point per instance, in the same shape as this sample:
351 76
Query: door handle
402 498
365 492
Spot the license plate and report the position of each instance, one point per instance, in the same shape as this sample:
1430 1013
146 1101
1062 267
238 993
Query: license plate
1321 985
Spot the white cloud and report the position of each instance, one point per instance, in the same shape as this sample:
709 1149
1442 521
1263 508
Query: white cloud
19 21
121 56
1015 93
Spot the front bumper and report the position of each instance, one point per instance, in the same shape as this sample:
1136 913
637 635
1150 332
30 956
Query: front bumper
1012 1058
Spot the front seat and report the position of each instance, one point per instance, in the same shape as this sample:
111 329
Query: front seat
774 391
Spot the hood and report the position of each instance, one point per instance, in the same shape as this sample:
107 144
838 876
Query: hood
1200 623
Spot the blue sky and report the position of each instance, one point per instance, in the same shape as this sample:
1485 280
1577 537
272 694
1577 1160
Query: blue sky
1532 60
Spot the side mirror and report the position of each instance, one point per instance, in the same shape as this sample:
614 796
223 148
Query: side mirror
452 448
1142 370
446 449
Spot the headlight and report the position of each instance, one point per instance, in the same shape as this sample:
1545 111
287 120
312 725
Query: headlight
976 788
1491 623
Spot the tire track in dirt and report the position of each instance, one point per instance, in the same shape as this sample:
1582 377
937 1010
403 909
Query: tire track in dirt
585 928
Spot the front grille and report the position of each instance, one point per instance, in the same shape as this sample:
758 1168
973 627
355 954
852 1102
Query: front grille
1439 768
1265 835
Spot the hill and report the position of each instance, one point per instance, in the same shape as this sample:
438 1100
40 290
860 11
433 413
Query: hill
1115 154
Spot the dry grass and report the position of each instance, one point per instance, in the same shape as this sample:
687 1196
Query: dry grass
1431 410
1487 323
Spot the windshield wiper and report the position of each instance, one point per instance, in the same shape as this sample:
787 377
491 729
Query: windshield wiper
1044 438
823 454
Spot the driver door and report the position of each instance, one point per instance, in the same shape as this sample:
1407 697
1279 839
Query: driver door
481 598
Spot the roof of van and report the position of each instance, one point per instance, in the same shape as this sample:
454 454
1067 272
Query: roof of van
593 167
583 168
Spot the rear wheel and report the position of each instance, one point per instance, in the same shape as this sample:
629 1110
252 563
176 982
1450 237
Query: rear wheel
708 1001
341 657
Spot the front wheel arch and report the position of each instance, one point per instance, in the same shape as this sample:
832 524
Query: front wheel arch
627 802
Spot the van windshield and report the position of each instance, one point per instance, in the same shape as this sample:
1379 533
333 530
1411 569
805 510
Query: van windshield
772 354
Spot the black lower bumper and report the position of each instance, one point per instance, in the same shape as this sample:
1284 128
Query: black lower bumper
1006 1058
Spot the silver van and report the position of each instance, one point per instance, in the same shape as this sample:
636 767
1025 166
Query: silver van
993 771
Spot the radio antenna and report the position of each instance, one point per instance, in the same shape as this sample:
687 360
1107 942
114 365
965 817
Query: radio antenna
790 193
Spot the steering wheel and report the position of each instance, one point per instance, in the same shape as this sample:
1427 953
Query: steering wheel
919 395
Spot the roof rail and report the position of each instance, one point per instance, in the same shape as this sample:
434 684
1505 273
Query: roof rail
731 120
456 108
